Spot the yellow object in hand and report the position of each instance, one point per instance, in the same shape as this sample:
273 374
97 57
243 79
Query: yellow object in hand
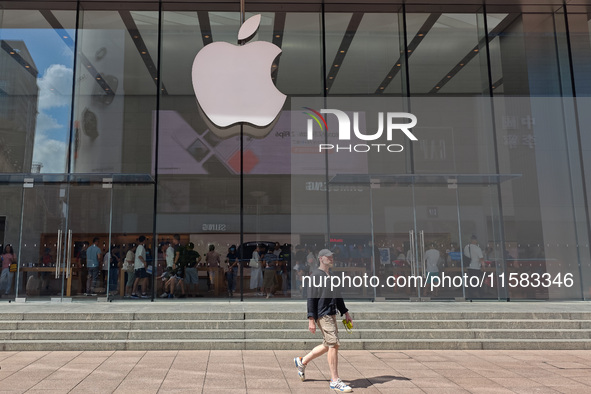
348 325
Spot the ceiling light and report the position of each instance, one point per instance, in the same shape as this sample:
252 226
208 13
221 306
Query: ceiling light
449 76
277 35
206 36
461 64
381 88
106 88
135 36
12 53
398 65
420 34
342 51
27 66
98 78
143 52
410 50
65 36
330 77
336 65
389 77
436 87
476 50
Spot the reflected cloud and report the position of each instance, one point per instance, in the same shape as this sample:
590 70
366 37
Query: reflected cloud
48 152
55 87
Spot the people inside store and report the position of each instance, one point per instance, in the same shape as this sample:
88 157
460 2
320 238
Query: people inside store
141 274
256 270
93 257
212 261
269 273
9 262
129 268
191 259
232 263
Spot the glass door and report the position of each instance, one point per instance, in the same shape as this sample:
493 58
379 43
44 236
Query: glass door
437 239
393 219
43 272
89 230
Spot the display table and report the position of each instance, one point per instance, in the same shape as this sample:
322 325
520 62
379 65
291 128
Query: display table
48 269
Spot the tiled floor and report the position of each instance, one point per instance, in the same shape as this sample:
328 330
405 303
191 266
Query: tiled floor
267 371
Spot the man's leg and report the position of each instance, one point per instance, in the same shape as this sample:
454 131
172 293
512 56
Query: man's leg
315 353
333 362
136 282
88 281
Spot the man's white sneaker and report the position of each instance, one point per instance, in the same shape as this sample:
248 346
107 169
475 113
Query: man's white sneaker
301 368
338 385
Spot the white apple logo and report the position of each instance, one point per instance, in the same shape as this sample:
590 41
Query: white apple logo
233 82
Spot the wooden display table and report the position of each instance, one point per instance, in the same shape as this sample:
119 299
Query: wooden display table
48 269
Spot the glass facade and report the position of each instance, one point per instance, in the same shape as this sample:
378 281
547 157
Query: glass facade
101 136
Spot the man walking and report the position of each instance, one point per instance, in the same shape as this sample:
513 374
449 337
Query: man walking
322 309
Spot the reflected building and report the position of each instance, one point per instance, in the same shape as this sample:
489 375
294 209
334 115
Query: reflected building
18 106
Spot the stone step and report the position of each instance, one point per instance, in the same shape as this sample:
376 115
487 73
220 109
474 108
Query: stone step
181 335
180 314
297 344
287 324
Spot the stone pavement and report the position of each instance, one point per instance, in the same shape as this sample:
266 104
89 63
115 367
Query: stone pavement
268 371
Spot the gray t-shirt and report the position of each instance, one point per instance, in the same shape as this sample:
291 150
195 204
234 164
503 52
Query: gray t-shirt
92 256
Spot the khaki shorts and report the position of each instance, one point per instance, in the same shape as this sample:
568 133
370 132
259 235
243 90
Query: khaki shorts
330 332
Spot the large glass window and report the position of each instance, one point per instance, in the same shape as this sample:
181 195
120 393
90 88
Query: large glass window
101 135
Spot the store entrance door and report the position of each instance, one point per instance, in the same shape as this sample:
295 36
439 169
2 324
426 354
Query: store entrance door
420 225
89 219
60 216
43 272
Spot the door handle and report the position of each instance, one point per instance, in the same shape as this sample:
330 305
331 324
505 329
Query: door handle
69 254
411 261
59 254
422 244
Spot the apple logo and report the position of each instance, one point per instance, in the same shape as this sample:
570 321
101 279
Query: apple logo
233 82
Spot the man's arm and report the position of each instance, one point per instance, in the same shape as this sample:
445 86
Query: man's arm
341 306
312 314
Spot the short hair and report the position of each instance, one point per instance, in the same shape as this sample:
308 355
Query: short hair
177 237
95 239
142 238
211 247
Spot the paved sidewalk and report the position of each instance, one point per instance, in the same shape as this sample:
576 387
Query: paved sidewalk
268 371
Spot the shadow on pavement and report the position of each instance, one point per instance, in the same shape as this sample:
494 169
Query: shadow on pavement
368 382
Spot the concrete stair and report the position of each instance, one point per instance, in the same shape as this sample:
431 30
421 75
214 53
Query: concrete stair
288 330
